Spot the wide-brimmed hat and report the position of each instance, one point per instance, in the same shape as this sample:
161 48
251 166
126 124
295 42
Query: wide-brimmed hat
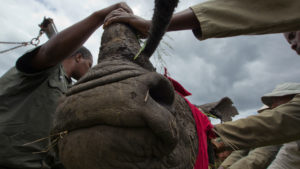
281 90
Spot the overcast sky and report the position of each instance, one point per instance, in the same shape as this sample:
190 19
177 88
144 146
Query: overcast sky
242 68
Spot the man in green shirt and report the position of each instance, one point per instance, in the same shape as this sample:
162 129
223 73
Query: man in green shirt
28 100
29 92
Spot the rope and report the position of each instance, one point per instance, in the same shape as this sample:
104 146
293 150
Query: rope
53 143
34 42
7 50
14 43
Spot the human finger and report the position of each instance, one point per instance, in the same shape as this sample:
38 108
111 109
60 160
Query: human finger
112 20
114 13
124 6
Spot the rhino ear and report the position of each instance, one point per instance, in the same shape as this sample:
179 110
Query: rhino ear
222 109
226 109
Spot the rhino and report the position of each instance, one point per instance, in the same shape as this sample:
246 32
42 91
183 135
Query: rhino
123 114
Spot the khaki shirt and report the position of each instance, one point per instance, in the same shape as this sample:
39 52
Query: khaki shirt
27 103
275 126
259 158
224 18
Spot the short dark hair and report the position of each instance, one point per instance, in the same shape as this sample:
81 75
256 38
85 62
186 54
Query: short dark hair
86 54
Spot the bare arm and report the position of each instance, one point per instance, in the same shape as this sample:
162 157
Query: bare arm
184 20
69 40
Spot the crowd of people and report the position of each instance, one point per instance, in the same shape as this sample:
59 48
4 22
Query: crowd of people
30 91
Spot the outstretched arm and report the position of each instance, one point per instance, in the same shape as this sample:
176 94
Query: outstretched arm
274 126
69 40
226 18
183 20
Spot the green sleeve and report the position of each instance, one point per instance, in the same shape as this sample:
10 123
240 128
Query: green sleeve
272 127
225 18
24 64
25 69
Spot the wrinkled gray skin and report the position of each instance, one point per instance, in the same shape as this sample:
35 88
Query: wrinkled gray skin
122 114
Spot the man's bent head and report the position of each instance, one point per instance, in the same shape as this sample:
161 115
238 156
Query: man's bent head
77 64
294 39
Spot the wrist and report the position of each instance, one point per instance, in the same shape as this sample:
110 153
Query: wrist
101 14
144 25
105 11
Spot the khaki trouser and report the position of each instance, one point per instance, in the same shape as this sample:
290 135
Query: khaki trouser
259 158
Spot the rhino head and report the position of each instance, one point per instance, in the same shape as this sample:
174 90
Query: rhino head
122 114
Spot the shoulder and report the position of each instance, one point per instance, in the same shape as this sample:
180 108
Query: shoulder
24 68
23 64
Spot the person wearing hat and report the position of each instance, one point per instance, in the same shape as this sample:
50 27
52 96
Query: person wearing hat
274 126
261 158
283 93
289 155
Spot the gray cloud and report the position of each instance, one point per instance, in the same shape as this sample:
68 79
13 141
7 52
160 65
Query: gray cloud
243 68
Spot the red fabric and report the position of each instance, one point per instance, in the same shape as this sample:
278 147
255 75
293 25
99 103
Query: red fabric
204 130
177 86
203 126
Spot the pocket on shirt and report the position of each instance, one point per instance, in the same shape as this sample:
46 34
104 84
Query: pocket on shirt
59 85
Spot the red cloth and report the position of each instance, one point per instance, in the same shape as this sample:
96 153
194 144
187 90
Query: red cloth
177 86
203 126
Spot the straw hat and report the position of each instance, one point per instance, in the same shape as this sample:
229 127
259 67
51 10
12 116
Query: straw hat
281 90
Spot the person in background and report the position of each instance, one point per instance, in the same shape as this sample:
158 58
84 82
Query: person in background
261 158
